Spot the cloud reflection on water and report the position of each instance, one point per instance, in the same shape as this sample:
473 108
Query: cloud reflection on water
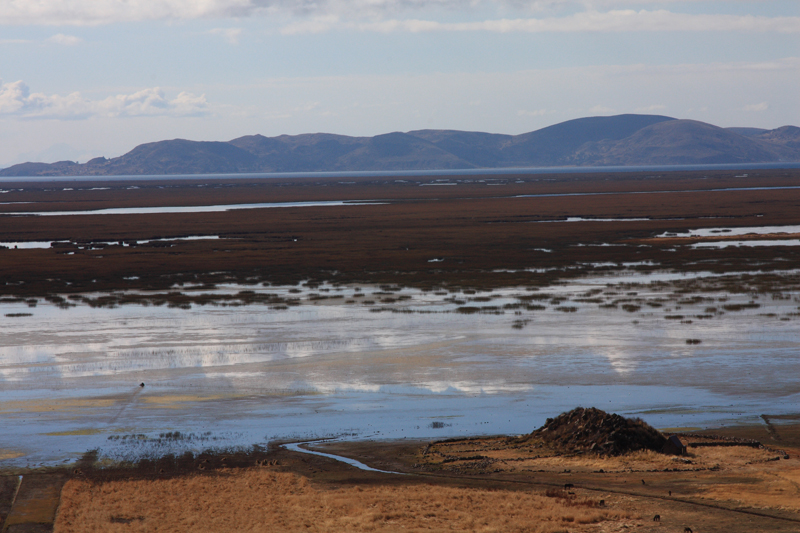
337 365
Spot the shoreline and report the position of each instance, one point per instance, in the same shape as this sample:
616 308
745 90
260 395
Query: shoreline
776 165
380 451
703 498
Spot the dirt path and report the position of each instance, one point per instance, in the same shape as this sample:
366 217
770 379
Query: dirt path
33 503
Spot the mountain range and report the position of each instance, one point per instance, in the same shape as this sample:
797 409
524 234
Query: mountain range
619 140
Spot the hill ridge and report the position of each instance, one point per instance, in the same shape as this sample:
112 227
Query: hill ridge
619 140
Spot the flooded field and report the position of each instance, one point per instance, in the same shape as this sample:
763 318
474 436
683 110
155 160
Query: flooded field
319 360
158 326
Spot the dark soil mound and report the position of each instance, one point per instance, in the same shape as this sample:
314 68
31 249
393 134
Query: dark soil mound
593 430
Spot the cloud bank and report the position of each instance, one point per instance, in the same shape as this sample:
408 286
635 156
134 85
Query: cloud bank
388 15
17 100
588 21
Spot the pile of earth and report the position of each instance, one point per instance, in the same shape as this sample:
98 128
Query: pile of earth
593 430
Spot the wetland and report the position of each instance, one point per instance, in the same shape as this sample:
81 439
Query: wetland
441 313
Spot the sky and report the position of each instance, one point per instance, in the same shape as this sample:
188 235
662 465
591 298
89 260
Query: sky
87 78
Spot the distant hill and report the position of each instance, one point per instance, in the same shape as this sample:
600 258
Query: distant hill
594 141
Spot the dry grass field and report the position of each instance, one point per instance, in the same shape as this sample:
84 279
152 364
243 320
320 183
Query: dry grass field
713 488
262 500
753 477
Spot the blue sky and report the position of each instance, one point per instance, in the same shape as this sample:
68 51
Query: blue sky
83 78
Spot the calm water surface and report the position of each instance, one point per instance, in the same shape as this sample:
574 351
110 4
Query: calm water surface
416 173
237 376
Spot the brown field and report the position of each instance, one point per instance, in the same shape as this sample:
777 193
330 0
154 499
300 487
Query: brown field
260 500
474 228
728 488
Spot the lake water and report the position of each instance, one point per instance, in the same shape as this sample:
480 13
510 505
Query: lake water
750 243
29 245
726 232
429 365
192 208
417 173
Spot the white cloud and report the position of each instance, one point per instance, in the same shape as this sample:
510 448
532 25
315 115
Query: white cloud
763 106
229 34
92 12
16 99
382 15
66 40
188 104
588 21
369 104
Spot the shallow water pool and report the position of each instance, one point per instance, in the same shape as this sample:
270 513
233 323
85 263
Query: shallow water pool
417 365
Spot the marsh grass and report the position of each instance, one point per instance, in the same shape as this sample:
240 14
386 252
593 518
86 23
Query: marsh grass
701 298
741 307
567 309
178 299
486 310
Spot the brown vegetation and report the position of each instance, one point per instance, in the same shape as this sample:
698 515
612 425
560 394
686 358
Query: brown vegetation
262 500
727 485
472 230
730 472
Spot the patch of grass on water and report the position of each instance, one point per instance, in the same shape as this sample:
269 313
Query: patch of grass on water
741 307
10 454
74 432
519 324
